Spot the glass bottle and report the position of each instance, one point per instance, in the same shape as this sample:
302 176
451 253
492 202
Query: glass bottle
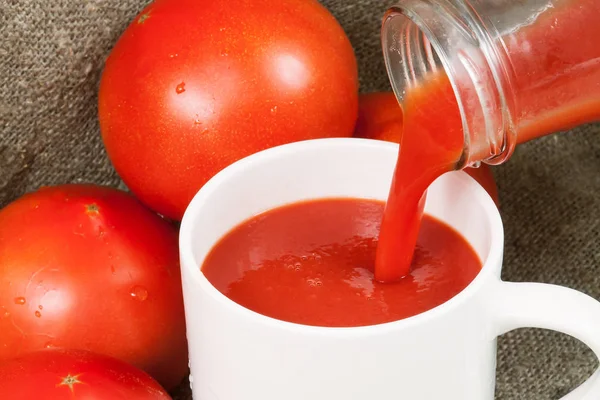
519 69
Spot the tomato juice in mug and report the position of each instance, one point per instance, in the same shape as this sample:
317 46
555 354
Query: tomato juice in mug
439 344
312 263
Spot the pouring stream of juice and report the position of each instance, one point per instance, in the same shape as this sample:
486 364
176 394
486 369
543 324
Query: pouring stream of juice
432 141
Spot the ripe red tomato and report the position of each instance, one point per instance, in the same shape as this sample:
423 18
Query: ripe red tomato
380 117
192 86
75 374
89 267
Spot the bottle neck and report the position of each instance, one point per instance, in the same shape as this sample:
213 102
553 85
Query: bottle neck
424 38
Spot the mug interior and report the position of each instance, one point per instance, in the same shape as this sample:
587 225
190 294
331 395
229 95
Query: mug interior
328 168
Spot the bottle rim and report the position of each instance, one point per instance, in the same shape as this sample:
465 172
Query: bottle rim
419 37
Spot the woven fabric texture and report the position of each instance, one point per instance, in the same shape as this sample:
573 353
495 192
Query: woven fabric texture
51 55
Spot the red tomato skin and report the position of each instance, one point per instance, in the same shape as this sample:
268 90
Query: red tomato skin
380 118
75 374
192 86
89 267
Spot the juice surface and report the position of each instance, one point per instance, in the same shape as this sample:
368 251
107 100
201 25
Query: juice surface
312 263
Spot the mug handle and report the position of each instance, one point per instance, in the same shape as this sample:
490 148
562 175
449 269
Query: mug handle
540 305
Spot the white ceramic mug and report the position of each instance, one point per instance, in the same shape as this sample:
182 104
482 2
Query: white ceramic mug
448 352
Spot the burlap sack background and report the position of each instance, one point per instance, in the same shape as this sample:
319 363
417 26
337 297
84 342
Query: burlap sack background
51 55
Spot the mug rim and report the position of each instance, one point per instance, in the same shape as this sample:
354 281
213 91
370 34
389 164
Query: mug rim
190 268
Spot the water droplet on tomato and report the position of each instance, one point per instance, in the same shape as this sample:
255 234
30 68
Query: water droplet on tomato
20 300
274 110
139 293
173 55
304 258
48 345
5 314
180 88
112 269
38 314
41 307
